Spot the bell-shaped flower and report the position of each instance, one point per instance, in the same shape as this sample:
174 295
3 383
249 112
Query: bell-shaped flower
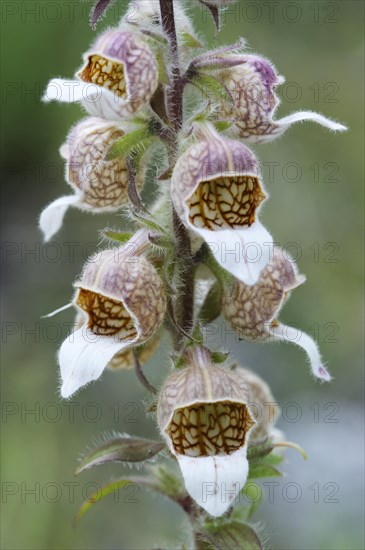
204 416
251 85
123 303
217 192
99 185
252 310
118 78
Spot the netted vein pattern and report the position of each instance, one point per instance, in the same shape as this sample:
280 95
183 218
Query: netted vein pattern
251 310
209 429
107 317
106 73
225 202
202 409
104 184
123 63
252 89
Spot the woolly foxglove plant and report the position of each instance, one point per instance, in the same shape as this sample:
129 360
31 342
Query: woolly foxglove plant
172 273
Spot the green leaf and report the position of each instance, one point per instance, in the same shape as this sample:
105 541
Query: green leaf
117 236
129 142
219 357
190 41
223 125
262 470
212 305
178 361
120 449
99 495
232 536
258 451
162 241
163 74
106 490
166 481
271 460
206 257
148 222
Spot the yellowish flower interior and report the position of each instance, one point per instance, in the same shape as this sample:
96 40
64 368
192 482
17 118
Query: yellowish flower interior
103 72
106 317
225 202
124 360
209 429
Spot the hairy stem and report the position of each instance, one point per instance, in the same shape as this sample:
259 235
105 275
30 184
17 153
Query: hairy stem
175 107
185 300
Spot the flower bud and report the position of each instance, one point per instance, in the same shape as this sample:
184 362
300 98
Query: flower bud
252 86
147 15
99 185
123 303
204 416
252 310
118 78
217 192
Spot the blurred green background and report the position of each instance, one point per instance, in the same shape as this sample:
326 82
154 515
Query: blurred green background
315 211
